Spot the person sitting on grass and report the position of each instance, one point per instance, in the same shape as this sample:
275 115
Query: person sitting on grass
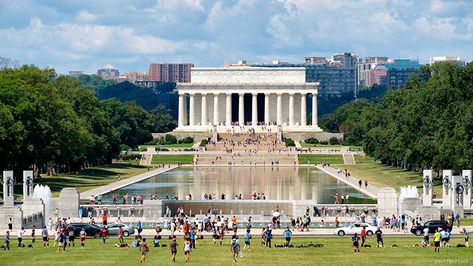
356 245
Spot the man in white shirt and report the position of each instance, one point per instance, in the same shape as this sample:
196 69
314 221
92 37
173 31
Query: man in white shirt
425 242
20 237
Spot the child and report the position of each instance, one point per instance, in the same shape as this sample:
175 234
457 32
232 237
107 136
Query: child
7 240
82 235
173 248
144 248
235 245
356 246
247 240
45 236
187 250
103 234
287 234
437 238
466 235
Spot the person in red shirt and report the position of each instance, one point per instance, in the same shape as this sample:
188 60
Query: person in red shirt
104 219
120 235
103 234
363 236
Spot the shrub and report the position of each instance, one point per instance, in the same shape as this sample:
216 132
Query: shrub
333 141
170 139
204 142
187 140
290 142
312 141
324 142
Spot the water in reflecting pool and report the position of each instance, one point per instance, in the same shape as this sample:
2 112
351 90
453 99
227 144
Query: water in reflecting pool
284 183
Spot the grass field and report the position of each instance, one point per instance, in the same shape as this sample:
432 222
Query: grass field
336 146
167 146
320 158
172 159
381 175
335 251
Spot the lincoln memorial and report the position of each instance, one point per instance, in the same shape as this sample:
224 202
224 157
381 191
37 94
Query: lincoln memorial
235 98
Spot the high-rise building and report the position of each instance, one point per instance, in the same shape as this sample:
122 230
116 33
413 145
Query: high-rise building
170 72
450 59
365 65
108 72
133 76
378 76
75 73
400 70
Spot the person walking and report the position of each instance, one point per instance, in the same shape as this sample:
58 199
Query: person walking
72 237
247 240
466 236
437 238
82 236
268 237
103 234
144 248
379 238
20 237
457 219
45 236
6 242
120 235
187 250
33 234
360 183
235 247
287 235
173 248
10 225
355 243
363 236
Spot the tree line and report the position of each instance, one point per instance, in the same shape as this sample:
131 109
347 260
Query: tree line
427 124
53 123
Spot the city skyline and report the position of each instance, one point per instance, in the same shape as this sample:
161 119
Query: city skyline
80 35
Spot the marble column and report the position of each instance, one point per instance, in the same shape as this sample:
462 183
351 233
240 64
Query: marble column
241 109
228 116
254 110
192 110
291 109
279 109
216 114
314 109
182 102
204 110
303 110
266 108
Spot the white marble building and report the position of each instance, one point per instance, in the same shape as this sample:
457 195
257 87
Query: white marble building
215 99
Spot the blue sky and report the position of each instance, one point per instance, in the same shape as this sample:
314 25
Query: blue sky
84 35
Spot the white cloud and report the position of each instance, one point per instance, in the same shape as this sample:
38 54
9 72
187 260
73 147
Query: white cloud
85 16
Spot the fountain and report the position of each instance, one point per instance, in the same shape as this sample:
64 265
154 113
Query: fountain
43 193
409 199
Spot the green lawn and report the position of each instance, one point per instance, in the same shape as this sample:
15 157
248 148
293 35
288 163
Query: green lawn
167 146
381 175
335 251
172 159
320 158
307 145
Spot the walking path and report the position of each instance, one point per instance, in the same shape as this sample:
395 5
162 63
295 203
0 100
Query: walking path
123 183
352 181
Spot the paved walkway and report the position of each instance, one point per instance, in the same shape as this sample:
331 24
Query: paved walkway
123 183
352 181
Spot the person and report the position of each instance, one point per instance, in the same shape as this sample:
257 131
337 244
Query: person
360 182
437 238
10 224
82 236
6 244
61 244
72 238
156 240
425 242
288 234
33 234
120 235
337 222
45 236
356 246
192 238
457 219
139 227
379 238
268 237
235 246
173 248
366 183
104 219
144 248
187 250
363 236
103 234
466 236
263 234
20 237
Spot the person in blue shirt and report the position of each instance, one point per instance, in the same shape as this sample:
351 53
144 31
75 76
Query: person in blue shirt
268 237
192 238
287 235
466 236
247 240
356 243
444 237
139 227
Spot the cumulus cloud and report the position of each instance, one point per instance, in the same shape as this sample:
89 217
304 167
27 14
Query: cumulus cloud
85 16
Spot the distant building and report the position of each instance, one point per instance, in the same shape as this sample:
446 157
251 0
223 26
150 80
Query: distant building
400 70
133 76
450 59
108 72
378 76
75 73
365 65
170 72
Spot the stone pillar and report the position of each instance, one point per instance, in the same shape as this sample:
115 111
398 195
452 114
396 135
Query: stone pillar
291 109
314 110
279 109
427 188
182 102
446 189
241 109
69 202
8 197
216 114
192 110
27 185
228 116
254 109
387 202
204 110
303 110
266 108
467 183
